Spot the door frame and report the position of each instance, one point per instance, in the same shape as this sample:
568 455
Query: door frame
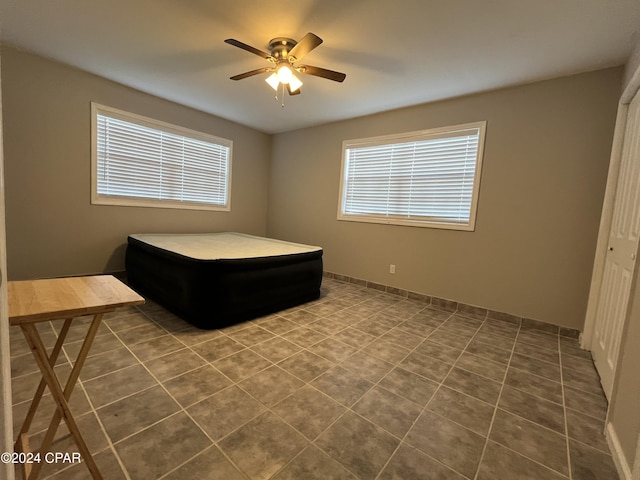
6 420
631 472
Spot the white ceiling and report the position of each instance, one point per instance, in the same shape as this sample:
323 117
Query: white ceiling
395 52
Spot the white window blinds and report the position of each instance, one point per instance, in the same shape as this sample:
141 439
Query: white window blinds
140 161
427 178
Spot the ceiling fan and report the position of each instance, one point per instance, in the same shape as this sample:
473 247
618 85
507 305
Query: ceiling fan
284 53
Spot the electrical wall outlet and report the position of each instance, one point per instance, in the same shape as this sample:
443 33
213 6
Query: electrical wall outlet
392 268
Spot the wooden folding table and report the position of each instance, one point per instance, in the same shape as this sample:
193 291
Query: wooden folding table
34 301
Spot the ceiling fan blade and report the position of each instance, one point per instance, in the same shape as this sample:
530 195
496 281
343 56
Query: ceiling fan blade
304 46
322 72
295 92
248 48
251 73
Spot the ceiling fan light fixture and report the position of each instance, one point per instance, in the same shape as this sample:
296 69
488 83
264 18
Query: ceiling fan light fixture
283 54
294 84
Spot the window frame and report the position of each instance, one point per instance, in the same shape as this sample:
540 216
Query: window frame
131 201
406 137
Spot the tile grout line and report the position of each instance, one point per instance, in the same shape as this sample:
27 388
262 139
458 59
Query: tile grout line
536 424
108 437
425 408
184 409
463 393
564 410
237 385
181 409
306 383
495 408
347 408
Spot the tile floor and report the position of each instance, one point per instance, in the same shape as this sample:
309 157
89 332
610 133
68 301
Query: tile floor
359 384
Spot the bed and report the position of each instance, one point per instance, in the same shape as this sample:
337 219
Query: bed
217 279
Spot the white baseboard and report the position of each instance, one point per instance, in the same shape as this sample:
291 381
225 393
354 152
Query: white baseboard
622 465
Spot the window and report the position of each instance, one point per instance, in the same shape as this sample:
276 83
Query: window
138 161
428 179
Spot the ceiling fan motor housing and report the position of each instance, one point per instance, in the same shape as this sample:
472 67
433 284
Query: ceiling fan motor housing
280 48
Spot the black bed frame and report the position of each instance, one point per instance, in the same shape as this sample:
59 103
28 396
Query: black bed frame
215 293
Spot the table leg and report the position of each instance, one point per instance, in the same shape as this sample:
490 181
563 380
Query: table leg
22 441
31 413
71 383
61 397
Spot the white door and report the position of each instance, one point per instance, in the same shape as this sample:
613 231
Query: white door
620 260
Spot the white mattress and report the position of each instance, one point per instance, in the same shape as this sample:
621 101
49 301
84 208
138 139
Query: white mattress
227 245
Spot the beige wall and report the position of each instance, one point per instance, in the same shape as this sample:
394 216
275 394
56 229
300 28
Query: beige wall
52 229
545 166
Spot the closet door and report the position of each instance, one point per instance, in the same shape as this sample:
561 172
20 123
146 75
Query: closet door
620 261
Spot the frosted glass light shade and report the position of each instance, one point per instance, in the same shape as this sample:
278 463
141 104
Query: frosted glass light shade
273 81
284 74
294 83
